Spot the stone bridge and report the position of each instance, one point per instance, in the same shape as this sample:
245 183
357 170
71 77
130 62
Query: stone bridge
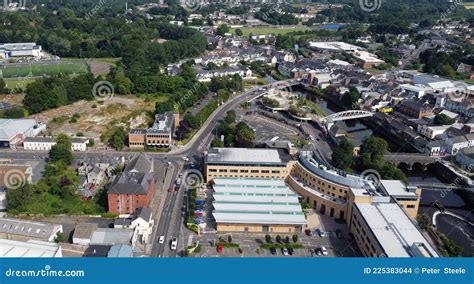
409 159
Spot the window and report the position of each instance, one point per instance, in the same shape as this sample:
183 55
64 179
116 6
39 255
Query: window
254 171
410 206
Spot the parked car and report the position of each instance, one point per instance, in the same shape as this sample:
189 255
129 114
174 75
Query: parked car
324 251
290 251
309 233
318 251
185 158
273 250
161 240
170 189
176 188
284 251
174 243
219 248
339 234
321 233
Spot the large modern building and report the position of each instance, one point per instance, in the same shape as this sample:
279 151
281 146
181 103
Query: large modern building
26 49
245 162
379 215
382 229
14 131
159 135
134 187
256 205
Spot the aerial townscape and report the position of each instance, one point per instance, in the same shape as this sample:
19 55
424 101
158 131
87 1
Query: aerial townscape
264 128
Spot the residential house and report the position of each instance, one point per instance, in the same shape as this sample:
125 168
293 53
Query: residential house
143 223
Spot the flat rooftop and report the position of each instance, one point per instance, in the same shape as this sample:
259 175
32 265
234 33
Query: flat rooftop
253 202
11 248
393 229
396 188
244 156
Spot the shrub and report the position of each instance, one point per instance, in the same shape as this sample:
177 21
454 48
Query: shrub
278 239
268 238
229 238
295 238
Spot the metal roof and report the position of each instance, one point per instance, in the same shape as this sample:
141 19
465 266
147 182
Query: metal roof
243 156
255 201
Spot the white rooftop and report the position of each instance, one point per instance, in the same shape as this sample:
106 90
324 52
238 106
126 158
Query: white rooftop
394 230
396 188
11 248
334 45
243 155
9 128
253 202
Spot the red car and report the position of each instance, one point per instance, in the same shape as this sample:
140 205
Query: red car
219 248
170 189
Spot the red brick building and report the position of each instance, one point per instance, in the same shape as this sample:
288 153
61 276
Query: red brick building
134 187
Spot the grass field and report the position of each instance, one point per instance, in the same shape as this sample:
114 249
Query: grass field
13 71
266 30
13 83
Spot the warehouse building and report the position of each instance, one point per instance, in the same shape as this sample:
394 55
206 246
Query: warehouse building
256 205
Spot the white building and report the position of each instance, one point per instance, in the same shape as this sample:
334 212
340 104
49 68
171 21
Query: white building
207 75
432 131
31 248
27 49
45 143
143 223
14 131
17 229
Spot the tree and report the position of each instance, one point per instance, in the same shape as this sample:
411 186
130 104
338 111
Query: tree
2 85
239 32
117 140
423 221
229 238
342 156
442 119
295 238
268 238
62 150
216 142
351 98
287 239
245 137
278 239
222 30
372 151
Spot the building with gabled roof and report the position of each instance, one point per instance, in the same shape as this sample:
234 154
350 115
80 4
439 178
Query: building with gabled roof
134 187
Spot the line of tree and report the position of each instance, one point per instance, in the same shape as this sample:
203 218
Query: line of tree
235 134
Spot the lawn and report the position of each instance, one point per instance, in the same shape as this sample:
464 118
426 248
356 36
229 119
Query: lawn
14 83
12 71
266 30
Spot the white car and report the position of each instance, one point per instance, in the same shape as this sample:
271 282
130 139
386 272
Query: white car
324 251
285 251
186 159
161 240
174 243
